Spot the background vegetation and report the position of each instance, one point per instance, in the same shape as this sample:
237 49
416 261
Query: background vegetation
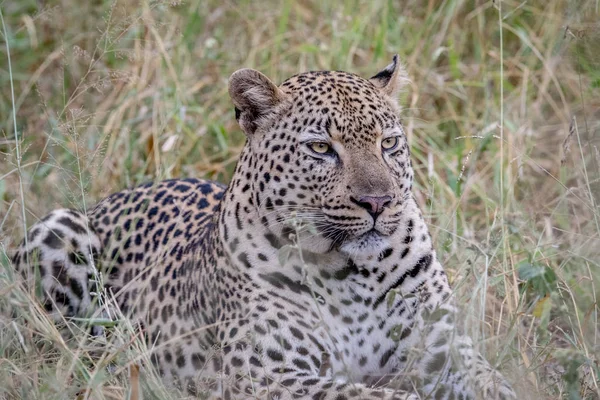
503 115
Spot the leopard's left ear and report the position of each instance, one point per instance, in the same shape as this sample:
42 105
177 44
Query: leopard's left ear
391 79
254 96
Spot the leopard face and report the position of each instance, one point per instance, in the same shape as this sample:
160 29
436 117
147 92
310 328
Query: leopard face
330 155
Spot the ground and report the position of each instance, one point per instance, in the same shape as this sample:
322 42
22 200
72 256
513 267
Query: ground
502 117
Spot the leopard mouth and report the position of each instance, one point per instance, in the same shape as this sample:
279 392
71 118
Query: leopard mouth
371 236
342 239
372 233
371 242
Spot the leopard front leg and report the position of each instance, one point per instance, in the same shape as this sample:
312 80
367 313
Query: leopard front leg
451 367
260 371
446 363
457 370
487 381
293 384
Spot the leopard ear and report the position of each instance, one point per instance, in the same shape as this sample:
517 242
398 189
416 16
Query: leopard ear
391 79
254 97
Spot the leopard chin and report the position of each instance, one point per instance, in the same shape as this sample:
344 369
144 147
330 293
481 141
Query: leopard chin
368 244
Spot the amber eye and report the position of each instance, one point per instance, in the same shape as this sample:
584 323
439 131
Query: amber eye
390 143
320 147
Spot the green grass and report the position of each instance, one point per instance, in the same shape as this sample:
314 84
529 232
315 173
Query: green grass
503 116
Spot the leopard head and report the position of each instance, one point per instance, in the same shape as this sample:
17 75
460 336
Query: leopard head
326 156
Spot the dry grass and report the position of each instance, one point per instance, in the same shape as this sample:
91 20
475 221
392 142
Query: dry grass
503 115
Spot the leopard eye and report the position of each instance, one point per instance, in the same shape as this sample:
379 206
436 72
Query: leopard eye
320 147
390 143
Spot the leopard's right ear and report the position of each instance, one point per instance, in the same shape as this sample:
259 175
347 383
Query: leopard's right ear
391 79
254 97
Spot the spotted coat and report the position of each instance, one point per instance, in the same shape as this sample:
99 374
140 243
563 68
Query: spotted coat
312 275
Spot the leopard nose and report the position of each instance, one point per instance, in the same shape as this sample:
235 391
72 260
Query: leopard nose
373 204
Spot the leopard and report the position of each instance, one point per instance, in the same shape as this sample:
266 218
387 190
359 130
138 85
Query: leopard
311 275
